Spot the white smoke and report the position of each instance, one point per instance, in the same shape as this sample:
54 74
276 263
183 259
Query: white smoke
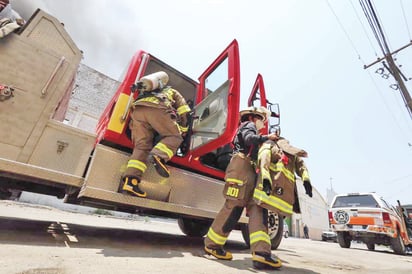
107 39
188 35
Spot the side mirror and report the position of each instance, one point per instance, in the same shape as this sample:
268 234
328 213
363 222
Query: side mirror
275 129
274 119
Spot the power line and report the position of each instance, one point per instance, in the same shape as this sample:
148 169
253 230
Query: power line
387 107
406 21
377 29
373 23
363 28
344 30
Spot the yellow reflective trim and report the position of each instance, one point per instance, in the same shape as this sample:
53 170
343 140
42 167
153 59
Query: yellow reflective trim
216 238
169 93
233 180
115 123
165 149
264 148
151 99
183 109
280 167
305 175
273 201
183 129
266 174
137 165
259 236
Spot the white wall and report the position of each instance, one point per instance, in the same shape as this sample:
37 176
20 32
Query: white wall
314 213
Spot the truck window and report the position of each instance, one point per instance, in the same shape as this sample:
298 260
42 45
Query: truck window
355 201
217 77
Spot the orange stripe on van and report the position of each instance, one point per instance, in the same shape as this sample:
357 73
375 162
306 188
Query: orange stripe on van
362 220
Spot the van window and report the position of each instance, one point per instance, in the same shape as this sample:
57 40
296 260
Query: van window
355 201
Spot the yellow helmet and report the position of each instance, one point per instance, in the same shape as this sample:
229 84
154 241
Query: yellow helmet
260 111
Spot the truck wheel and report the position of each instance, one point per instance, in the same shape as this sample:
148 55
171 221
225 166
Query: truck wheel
5 194
275 230
193 227
344 239
397 245
370 246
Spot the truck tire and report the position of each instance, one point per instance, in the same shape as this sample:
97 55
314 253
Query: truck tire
5 194
344 239
275 230
193 227
370 246
397 244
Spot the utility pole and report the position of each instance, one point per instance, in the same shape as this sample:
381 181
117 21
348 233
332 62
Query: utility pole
391 66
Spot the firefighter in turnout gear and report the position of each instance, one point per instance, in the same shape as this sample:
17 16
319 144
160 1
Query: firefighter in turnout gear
158 109
240 181
276 188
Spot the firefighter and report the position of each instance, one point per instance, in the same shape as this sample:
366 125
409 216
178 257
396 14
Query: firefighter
240 180
6 11
10 20
158 109
276 188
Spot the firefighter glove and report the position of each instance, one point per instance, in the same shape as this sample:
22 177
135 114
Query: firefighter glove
308 188
267 186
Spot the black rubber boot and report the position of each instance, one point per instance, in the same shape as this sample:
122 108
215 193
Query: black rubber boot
160 165
265 261
219 253
131 186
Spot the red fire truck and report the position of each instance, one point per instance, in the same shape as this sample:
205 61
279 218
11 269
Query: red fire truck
39 153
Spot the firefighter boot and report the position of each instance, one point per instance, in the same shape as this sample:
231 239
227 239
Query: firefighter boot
265 261
160 165
219 253
131 186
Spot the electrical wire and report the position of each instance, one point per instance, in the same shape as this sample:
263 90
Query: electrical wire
369 14
378 19
387 107
346 33
377 29
363 28
406 21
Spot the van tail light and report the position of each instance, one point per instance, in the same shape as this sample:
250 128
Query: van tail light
330 217
386 218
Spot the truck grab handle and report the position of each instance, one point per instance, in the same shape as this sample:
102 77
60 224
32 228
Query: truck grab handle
145 57
59 64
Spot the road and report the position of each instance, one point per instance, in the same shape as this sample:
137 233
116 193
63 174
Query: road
38 239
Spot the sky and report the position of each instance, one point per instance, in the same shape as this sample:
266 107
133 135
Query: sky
311 54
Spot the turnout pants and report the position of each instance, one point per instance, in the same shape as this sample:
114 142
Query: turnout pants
241 171
145 122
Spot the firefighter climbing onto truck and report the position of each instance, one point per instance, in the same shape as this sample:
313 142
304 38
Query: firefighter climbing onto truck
240 180
10 20
158 109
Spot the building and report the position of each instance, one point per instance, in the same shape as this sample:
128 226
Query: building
91 94
314 213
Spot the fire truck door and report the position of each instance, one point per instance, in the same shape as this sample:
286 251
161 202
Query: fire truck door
258 98
215 115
